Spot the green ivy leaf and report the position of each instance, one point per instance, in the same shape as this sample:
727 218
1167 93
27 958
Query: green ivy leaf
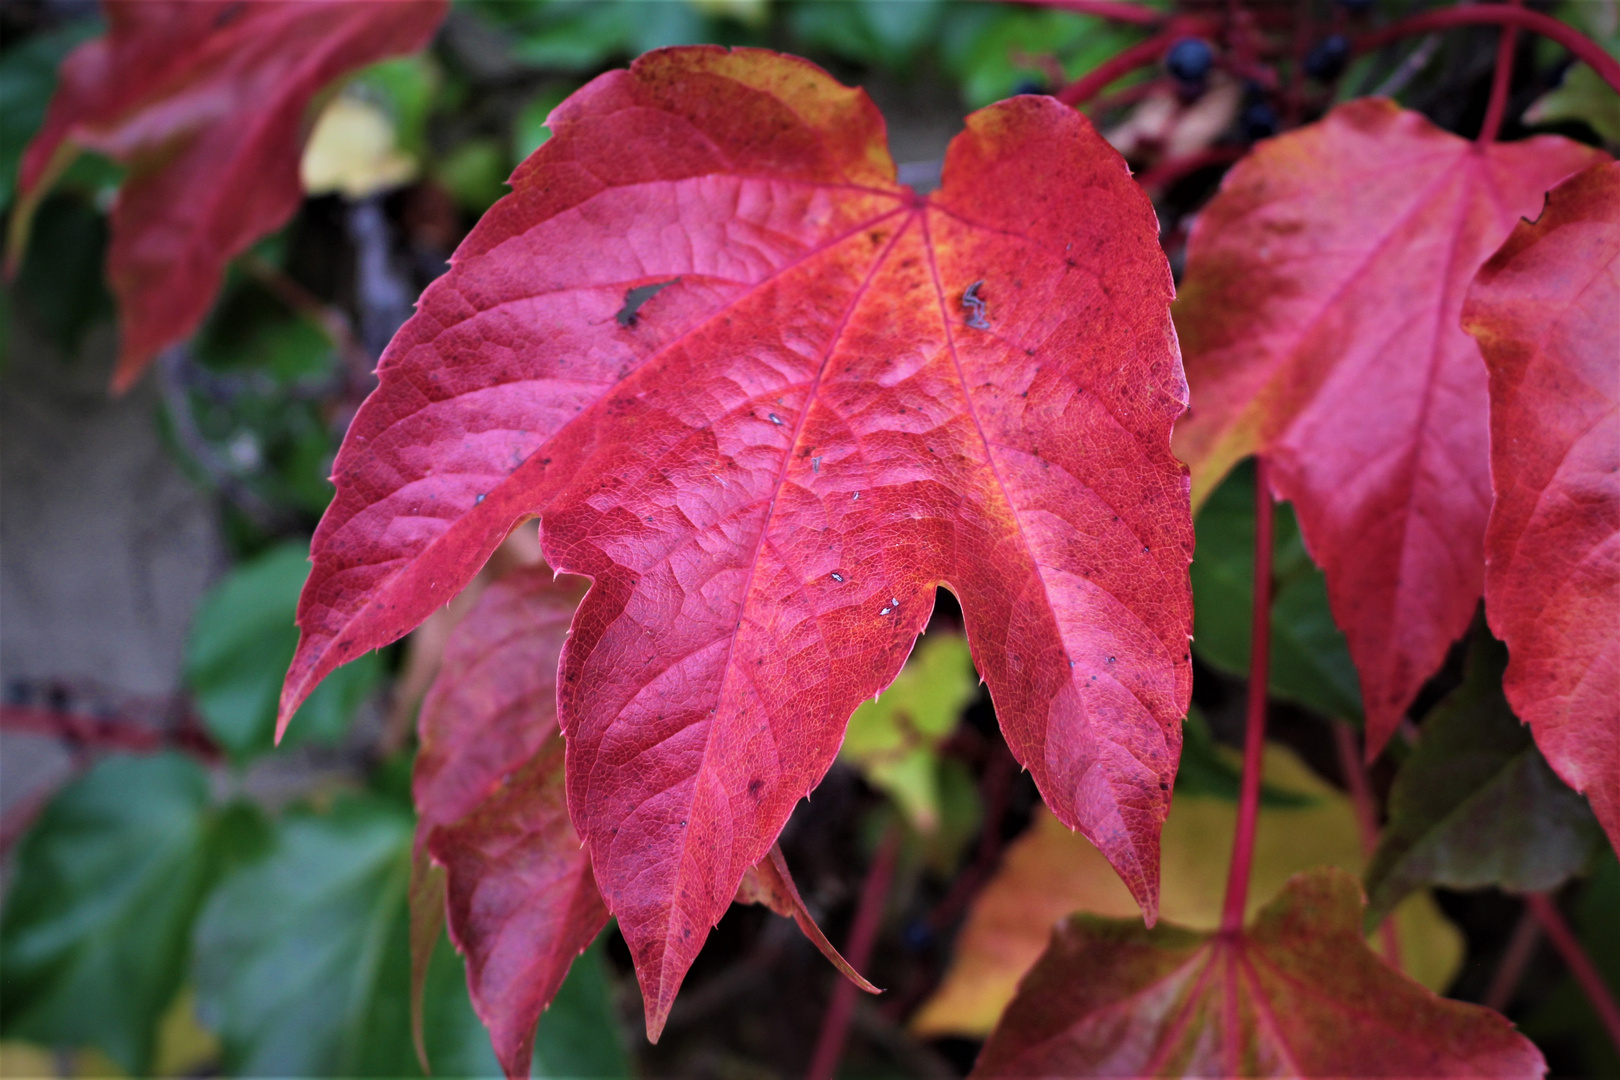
98 917
238 650
1476 804
1310 664
302 964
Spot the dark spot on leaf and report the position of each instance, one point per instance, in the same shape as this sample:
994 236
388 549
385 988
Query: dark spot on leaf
636 297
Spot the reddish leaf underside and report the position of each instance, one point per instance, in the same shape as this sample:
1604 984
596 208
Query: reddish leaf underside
1298 993
1546 312
494 701
767 467
1320 316
494 842
205 101
496 852
521 901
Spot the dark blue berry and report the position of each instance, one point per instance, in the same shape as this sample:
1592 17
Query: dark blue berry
1327 59
1189 60
1029 86
917 935
1259 120
1357 6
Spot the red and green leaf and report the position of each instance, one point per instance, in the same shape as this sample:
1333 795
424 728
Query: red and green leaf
1544 312
1296 993
767 466
1320 316
205 101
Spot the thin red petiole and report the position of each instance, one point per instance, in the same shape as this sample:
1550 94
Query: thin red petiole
1521 949
1361 798
1501 82
1584 48
1254 736
1580 965
858 951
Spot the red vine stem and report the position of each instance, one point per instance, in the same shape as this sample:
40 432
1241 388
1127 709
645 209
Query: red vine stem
1580 965
858 951
1254 736
1122 64
1361 797
1583 47
1117 10
1501 80
1521 949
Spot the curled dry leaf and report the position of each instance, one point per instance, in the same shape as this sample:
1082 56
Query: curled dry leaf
1050 873
1320 316
205 102
769 883
1296 993
769 464
1544 312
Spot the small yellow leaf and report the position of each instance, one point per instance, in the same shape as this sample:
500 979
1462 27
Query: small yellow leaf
353 151
1050 872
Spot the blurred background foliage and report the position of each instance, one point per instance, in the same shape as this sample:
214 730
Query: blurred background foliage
241 909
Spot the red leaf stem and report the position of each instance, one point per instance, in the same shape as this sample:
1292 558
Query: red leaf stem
106 733
1580 965
1521 949
1351 764
1117 10
1583 47
1139 55
1254 738
868 917
1501 79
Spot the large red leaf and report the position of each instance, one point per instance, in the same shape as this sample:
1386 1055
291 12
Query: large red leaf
1546 312
1319 312
768 466
1297 993
205 101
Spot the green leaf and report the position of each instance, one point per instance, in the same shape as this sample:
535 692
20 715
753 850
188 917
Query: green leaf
894 740
988 47
1584 96
97 920
878 33
1310 664
301 961
60 284
580 1034
239 647
1476 804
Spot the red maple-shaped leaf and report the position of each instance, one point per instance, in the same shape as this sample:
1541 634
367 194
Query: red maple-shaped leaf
206 102
1297 993
1546 312
1320 317
839 396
